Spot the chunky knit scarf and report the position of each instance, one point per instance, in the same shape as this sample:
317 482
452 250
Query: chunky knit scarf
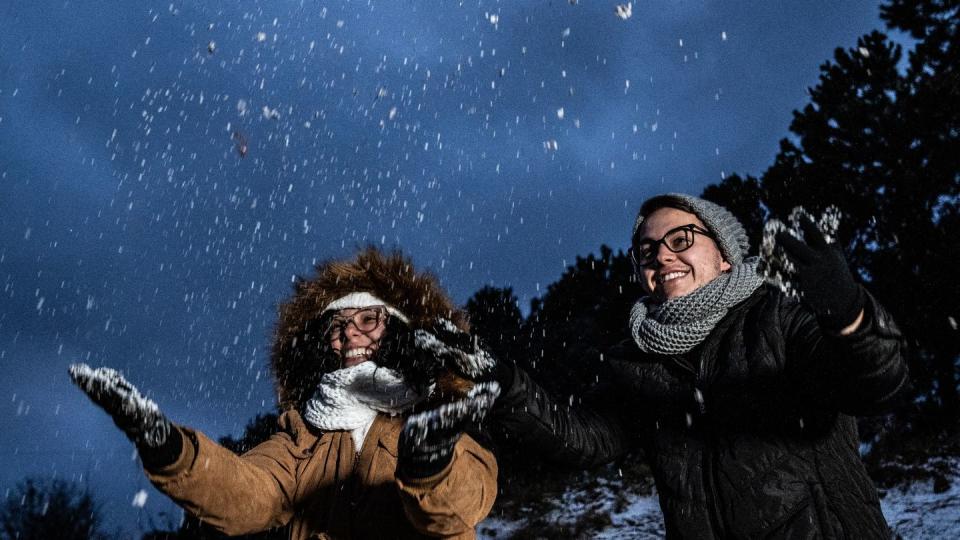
679 324
349 399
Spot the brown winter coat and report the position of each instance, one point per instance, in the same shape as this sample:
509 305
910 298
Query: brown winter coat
318 486
317 483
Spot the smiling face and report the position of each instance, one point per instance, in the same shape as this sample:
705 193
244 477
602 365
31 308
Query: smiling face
355 334
671 275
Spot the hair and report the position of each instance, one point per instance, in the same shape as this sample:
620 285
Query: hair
659 203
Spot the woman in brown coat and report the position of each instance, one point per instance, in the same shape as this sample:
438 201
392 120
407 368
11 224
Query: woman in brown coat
370 441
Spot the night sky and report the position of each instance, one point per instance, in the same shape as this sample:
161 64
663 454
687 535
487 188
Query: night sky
491 141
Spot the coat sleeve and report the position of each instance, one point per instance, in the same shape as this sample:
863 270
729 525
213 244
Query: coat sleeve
859 374
581 434
235 494
452 502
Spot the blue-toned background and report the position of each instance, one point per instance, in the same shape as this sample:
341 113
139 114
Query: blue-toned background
492 141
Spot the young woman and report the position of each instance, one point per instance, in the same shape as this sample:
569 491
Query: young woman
350 459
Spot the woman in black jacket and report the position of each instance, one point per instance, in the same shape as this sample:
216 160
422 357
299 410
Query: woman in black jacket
742 398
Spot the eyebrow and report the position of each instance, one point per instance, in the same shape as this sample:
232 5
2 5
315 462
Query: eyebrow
643 239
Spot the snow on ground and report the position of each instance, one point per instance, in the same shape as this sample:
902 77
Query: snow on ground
640 519
606 510
495 527
913 511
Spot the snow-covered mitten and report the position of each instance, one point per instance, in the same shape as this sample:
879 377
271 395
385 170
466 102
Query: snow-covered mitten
428 438
137 416
775 265
462 353
826 285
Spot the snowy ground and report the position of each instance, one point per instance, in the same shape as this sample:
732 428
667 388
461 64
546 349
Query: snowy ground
616 510
916 511
913 511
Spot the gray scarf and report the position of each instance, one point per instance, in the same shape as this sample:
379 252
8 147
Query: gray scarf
680 324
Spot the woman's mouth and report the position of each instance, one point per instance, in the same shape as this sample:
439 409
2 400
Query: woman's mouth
670 276
356 356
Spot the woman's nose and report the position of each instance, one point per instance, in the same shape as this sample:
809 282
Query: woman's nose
664 254
351 332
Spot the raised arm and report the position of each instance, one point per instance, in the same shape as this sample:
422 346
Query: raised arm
860 373
840 339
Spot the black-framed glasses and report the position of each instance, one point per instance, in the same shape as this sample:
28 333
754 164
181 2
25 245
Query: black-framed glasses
365 320
678 239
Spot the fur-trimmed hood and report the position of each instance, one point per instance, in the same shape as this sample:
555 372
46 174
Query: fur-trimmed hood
298 346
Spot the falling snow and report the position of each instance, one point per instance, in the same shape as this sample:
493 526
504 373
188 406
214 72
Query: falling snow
168 171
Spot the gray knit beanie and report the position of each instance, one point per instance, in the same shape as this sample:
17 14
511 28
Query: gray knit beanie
730 235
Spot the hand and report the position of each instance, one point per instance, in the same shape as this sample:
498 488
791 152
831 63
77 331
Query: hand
136 415
825 282
428 438
398 351
462 353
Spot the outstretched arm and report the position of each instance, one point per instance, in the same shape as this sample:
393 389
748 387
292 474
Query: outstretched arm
563 432
575 435
234 494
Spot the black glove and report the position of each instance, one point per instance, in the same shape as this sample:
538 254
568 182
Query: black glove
462 353
428 438
398 351
158 442
826 284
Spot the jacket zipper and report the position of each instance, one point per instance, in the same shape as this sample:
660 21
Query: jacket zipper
698 377
713 511
709 454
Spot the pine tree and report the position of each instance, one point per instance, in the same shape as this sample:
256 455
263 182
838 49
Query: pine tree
496 319
883 144
39 509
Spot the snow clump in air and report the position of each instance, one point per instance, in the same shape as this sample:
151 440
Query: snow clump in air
774 263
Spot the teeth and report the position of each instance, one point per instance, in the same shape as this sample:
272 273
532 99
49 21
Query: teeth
357 352
671 275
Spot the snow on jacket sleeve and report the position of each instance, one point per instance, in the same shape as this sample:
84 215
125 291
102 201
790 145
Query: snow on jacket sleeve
236 494
452 502
576 435
860 374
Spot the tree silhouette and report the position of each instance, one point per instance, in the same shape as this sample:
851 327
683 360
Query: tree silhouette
495 317
581 315
883 144
741 196
258 430
39 509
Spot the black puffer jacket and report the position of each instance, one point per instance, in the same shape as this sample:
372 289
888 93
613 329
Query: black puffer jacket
749 435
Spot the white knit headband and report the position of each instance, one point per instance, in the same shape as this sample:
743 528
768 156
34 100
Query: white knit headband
361 300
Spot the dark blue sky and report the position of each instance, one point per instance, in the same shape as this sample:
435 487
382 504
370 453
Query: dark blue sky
492 141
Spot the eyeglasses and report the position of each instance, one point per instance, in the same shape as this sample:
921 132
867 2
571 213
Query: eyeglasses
678 239
366 320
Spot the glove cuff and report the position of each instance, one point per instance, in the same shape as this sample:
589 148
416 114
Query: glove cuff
155 458
423 469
